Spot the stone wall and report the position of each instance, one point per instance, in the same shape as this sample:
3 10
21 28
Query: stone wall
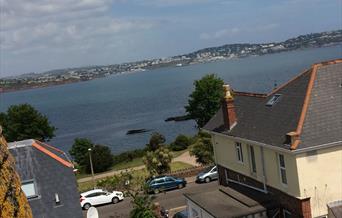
193 171
13 202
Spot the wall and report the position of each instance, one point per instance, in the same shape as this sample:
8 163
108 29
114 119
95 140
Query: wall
200 212
320 177
225 155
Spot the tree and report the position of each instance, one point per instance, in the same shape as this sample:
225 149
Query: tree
79 151
158 162
102 159
206 99
202 149
101 155
156 141
182 142
25 122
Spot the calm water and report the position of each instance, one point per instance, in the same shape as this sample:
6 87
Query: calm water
104 109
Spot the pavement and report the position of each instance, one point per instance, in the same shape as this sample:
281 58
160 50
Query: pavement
185 157
171 200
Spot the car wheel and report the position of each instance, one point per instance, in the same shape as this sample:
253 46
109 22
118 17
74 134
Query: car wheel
207 179
86 206
180 186
115 200
156 191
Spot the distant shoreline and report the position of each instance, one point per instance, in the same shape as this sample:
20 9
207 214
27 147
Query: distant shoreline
70 81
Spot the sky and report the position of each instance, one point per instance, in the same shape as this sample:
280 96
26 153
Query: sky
41 35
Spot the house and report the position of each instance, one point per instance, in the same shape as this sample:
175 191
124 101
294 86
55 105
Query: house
278 154
47 179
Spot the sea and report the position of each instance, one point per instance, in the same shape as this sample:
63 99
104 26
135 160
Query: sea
104 109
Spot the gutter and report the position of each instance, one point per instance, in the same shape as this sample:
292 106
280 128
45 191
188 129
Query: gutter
250 141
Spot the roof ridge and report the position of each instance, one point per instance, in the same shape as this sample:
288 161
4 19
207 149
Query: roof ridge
319 64
52 155
299 129
250 94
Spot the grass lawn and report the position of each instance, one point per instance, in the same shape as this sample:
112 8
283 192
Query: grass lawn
85 186
134 163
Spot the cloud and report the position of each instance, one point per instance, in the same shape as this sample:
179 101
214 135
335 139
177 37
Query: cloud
31 25
229 32
220 33
168 3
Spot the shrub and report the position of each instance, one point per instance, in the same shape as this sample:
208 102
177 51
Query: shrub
182 142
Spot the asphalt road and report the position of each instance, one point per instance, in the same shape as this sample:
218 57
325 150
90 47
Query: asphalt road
170 199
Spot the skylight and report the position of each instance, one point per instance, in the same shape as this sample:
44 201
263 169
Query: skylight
275 98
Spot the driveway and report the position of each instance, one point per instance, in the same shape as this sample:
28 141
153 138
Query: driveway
169 200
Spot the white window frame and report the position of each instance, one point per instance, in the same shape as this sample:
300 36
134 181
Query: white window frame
27 182
239 152
282 169
251 158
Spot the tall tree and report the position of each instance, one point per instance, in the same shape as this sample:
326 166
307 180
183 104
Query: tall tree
25 122
79 151
202 149
101 155
206 99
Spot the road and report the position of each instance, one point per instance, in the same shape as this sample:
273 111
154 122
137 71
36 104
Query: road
169 200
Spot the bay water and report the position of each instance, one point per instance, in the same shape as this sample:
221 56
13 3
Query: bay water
103 110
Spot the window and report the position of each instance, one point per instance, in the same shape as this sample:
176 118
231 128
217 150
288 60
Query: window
29 189
239 154
282 169
252 155
275 98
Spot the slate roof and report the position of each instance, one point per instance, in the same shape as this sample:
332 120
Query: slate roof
52 173
310 106
226 202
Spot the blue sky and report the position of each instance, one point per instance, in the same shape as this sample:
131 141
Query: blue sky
40 35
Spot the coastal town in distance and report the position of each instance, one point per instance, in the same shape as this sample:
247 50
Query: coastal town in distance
170 109
229 51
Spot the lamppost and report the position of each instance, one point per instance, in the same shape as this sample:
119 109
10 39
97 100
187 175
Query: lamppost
91 168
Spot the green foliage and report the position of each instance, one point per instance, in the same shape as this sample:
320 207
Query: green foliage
24 122
206 99
101 155
202 149
79 151
158 162
102 159
182 142
156 141
142 206
128 156
142 202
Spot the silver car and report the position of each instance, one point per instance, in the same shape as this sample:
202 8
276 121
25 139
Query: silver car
207 175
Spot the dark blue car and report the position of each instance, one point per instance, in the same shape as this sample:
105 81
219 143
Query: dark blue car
162 183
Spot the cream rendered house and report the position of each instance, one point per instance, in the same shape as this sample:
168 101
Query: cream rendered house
278 154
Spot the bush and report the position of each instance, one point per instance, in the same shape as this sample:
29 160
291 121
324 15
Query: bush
182 142
128 156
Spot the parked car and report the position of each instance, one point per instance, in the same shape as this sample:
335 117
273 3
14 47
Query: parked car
181 214
99 196
162 183
207 175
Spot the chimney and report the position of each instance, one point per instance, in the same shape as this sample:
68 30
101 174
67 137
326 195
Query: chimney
228 108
